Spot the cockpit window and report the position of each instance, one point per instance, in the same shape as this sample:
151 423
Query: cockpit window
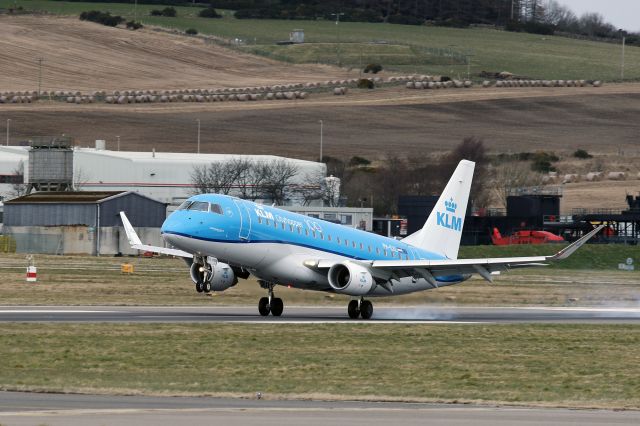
199 206
185 205
215 208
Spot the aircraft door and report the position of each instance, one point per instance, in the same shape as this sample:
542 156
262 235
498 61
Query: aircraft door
245 220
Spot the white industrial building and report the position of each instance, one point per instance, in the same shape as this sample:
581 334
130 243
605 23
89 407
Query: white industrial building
163 176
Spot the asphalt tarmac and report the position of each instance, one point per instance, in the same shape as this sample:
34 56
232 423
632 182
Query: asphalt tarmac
19 409
294 315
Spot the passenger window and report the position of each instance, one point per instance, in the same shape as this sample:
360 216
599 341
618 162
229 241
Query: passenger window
200 206
259 219
361 246
377 250
267 221
385 252
338 240
313 233
282 225
321 236
346 243
369 247
353 244
393 254
290 227
329 237
215 208
306 232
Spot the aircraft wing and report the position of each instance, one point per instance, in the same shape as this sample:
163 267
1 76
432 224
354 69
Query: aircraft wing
429 269
135 242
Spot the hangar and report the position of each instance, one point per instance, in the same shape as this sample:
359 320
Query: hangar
81 222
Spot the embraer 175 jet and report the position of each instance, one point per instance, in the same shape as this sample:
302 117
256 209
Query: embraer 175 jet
223 238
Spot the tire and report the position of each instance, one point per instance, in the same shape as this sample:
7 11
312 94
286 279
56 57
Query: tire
277 306
366 309
199 287
263 306
207 287
353 310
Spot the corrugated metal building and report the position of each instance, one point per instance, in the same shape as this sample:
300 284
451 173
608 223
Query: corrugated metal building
80 222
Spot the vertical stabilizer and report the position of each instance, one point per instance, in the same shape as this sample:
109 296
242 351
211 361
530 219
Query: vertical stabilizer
442 232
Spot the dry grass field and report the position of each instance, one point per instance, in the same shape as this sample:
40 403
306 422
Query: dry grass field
80 55
368 123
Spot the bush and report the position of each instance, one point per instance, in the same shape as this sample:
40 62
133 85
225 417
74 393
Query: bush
373 68
191 31
209 12
133 25
104 18
359 161
365 83
582 154
169 12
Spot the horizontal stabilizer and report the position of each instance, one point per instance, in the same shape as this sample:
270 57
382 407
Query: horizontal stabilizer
136 243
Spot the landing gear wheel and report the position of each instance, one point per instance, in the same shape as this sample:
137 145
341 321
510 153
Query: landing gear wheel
263 306
353 310
199 287
366 309
207 287
277 306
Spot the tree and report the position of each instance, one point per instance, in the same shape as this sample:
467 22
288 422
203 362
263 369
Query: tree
209 12
511 175
472 149
277 179
19 188
217 178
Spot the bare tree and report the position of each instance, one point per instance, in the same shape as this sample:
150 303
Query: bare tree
277 179
316 186
512 175
217 178
18 189
80 179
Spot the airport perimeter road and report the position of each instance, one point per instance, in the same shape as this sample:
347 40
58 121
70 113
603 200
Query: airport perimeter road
382 315
86 410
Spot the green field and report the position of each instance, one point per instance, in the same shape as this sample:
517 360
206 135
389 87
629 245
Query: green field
403 48
560 365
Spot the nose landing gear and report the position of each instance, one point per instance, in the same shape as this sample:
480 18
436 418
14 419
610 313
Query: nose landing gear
270 304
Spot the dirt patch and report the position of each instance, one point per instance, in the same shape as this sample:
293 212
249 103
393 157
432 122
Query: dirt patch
84 56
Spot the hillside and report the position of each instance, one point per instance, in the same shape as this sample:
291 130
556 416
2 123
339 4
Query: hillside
400 48
84 56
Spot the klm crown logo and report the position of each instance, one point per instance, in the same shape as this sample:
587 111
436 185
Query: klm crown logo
450 205
448 219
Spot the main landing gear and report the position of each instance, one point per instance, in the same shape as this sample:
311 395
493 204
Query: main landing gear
361 307
272 304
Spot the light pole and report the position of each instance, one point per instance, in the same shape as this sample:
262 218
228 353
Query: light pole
8 122
321 124
40 75
337 15
118 138
198 120
624 39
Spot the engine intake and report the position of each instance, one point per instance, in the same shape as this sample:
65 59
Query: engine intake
350 278
221 275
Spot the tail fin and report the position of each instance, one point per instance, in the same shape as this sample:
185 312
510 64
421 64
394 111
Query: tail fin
443 229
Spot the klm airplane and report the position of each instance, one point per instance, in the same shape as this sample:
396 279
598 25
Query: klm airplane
223 238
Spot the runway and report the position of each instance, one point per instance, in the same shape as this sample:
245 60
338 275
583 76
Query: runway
19 409
299 315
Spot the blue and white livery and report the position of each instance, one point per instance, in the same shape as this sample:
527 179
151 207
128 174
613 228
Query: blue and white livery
224 238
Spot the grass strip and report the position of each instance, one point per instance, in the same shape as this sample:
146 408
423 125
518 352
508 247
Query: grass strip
561 365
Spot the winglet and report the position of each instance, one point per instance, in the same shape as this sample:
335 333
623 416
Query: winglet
568 250
133 238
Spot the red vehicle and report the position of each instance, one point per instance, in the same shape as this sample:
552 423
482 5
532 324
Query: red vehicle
525 237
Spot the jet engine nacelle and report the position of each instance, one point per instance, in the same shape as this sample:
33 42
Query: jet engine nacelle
350 278
220 275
